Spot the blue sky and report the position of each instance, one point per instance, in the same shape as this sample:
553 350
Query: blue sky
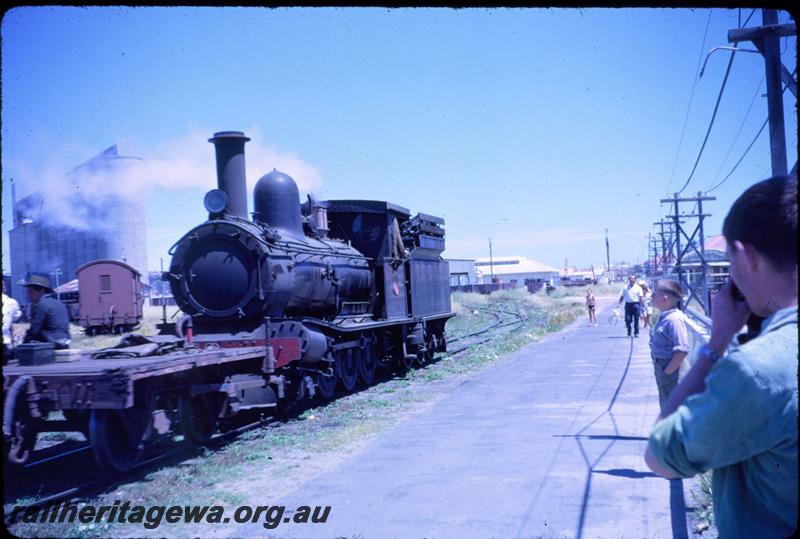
537 128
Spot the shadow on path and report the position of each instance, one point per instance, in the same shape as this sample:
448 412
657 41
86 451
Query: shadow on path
626 472
677 502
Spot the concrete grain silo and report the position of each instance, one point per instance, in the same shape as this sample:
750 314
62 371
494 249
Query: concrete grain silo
85 218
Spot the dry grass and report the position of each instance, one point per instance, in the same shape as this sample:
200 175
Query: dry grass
80 340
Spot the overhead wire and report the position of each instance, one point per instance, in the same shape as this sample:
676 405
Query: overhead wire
711 123
691 99
741 126
716 107
761 130
748 18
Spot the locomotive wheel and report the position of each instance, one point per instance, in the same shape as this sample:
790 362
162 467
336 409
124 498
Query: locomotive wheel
117 437
366 364
422 356
326 383
199 416
430 346
404 362
346 364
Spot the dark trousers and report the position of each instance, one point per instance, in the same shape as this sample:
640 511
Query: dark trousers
666 382
632 315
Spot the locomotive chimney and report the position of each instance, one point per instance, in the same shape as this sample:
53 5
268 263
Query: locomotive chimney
229 147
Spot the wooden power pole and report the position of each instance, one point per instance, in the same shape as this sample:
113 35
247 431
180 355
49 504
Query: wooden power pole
767 39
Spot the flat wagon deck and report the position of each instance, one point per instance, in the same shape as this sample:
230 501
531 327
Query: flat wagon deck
89 383
122 402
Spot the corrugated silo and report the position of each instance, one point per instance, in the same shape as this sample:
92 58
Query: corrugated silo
62 229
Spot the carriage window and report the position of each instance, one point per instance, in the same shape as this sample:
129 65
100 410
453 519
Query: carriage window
105 283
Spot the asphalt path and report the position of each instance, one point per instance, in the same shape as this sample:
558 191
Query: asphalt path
548 442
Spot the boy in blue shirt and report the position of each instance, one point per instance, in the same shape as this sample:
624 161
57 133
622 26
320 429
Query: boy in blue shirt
736 411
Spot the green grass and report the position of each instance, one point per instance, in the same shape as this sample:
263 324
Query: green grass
580 291
704 512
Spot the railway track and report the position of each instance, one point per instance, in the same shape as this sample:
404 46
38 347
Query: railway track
92 484
490 331
86 480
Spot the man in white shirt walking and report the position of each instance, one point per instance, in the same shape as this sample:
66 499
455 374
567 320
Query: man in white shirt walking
632 295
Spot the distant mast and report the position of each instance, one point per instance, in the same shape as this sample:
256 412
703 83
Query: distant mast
14 218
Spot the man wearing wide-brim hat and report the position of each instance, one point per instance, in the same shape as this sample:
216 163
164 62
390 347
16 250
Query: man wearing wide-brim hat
49 317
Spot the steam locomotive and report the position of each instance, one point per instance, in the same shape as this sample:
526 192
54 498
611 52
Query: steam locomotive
293 303
332 288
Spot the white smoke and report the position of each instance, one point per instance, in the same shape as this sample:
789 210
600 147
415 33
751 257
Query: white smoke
79 198
189 162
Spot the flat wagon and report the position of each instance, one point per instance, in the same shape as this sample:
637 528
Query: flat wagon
121 403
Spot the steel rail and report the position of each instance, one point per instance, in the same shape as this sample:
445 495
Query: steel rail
137 469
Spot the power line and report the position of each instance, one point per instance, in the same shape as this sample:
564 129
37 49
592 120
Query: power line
691 98
748 147
746 114
741 126
711 123
748 18
761 130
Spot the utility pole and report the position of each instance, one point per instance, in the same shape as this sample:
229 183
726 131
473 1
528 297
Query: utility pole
56 272
653 244
14 219
668 255
662 235
699 289
608 257
491 271
767 40
163 300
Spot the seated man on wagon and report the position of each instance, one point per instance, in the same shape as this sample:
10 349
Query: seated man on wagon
49 317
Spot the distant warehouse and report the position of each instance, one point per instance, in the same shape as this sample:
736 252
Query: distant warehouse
462 271
515 270
78 219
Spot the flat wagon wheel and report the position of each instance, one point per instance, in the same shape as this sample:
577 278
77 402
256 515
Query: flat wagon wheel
366 364
326 382
346 364
117 437
79 418
199 416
